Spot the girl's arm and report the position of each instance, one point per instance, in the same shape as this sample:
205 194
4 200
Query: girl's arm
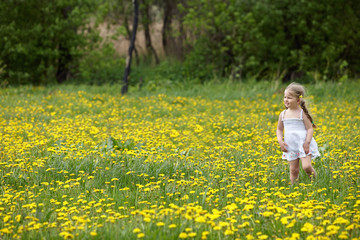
309 134
279 134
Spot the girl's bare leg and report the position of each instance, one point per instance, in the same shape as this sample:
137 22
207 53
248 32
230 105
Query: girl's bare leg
307 166
294 170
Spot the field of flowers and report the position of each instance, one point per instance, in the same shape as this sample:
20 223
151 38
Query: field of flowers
96 165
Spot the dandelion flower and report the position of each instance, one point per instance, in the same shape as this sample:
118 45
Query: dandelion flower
183 235
160 224
172 226
192 234
308 227
18 218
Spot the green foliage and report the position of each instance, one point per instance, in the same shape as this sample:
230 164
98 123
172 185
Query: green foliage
113 144
198 64
164 75
37 35
100 66
243 39
272 39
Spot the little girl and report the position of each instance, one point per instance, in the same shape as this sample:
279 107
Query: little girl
298 138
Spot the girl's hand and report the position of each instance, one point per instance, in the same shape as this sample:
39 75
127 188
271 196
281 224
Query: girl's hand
283 146
306 147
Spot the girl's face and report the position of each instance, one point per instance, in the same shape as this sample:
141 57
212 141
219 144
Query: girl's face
290 100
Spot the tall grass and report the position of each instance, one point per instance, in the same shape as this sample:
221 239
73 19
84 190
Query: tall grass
174 161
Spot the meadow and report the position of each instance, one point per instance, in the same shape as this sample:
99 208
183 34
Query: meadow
174 162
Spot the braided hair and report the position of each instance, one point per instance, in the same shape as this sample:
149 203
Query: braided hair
299 91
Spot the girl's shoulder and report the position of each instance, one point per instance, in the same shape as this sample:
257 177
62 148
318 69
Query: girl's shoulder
281 115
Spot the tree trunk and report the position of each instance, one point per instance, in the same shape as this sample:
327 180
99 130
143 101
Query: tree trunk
173 22
63 70
131 48
181 49
145 22
126 24
166 31
65 58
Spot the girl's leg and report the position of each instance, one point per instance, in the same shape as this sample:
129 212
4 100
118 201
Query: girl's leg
294 170
307 166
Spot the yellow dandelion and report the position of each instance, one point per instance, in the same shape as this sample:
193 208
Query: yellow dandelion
18 218
5 231
308 227
174 133
343 235
205 233
192 234
6 218
350 227
198 128
248 207
172 226
319 230
200 219
244 224
341 220
295 236
332 230
284 220
66 235
267 214
217 228
290 225
183 235
160 224
229 232
249 237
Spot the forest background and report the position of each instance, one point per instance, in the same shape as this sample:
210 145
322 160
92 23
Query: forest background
86 41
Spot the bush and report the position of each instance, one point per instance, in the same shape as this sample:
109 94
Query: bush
42 39
166 74
273 39
101 66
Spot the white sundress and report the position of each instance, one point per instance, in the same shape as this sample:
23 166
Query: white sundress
294 137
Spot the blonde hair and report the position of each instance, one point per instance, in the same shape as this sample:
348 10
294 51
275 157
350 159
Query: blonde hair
299 92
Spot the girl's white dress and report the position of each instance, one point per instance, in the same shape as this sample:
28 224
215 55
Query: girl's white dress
294 137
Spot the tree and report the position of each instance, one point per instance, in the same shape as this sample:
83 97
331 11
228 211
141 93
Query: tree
129 34
125 87
273 39
65 55
117 12
42 40
145 20
173 33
